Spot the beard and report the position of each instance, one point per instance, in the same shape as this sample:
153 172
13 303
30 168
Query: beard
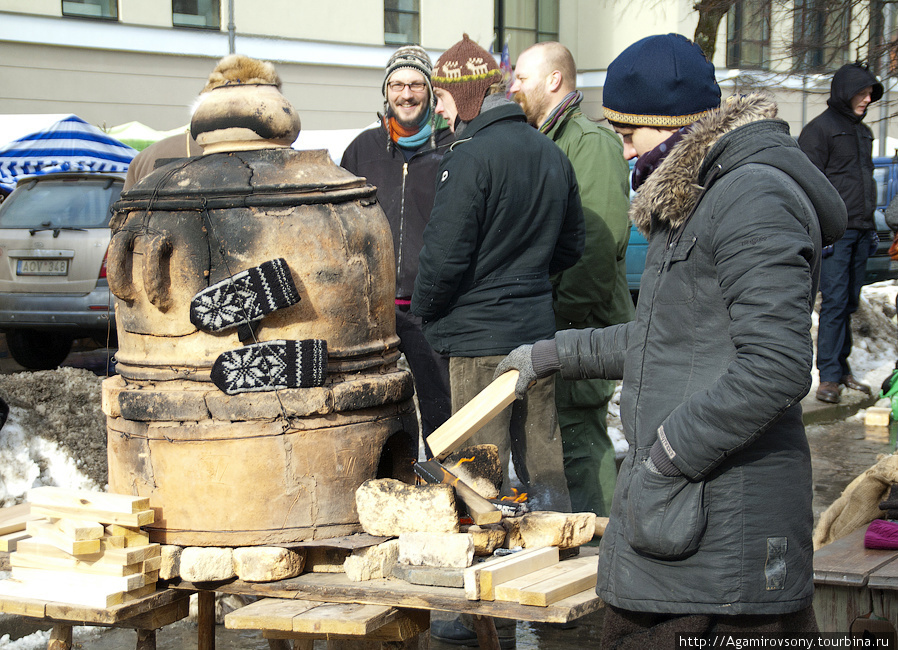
532 105
409 123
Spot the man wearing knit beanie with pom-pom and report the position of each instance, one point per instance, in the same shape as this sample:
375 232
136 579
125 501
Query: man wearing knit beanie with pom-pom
710 528
506 216
400 157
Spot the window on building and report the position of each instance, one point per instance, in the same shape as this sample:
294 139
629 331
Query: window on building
525 22
204 14
91 8
402 22
748 35
821 37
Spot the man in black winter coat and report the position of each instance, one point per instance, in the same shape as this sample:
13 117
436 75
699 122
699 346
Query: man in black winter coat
841 146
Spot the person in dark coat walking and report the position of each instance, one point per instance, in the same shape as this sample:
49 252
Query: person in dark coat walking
710 529
841 146
400 157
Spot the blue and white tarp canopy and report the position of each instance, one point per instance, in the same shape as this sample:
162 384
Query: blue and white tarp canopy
68 144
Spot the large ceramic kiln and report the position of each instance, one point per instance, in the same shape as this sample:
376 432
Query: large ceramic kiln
258 467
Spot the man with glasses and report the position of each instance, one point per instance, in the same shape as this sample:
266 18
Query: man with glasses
401 157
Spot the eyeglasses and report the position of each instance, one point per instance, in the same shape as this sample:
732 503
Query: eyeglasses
415 86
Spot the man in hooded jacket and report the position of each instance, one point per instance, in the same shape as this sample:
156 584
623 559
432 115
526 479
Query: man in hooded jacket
710 529
841 146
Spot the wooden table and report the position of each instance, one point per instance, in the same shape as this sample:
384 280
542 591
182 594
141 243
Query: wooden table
145 615
852 581
337 588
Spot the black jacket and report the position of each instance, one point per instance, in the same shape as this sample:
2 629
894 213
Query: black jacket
841 145
715 366
506 215
405 192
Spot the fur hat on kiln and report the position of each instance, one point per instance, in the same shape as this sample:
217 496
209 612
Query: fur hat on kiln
241 108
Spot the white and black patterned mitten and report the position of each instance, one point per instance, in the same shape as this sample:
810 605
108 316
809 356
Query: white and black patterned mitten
271 365
243 298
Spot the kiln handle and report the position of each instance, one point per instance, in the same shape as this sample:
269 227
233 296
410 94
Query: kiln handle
118 267
156 273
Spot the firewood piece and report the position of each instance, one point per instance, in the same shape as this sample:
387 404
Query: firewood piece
36 556
470 418
481 510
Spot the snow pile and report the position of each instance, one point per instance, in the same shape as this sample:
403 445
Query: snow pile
55 434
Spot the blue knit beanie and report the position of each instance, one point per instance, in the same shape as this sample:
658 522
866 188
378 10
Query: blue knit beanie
660 81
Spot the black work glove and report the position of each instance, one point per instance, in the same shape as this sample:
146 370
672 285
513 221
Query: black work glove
522 359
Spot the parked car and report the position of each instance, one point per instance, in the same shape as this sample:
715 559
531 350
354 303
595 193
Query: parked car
879 266
54 236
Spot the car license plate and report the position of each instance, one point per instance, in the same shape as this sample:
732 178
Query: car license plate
42 267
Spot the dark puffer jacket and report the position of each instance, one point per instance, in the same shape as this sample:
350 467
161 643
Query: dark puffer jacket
405 191
715 365
507 214
841 146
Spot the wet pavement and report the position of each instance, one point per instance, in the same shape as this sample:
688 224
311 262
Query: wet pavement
841 449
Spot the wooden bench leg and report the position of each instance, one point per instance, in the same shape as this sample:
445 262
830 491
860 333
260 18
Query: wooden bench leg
60 637
205 620
146 640
487 637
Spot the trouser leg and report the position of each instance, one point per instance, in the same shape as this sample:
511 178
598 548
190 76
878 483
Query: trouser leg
430 371
589 460
526 431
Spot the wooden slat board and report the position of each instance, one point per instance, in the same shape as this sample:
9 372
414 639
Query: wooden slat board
50 534
559 587
141 518
268 614
88 564
84 499
513 567
351 619
846 562
13 518
885 577
310 617
470 418
564 571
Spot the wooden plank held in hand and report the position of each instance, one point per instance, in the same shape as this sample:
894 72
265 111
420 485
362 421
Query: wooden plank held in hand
470 418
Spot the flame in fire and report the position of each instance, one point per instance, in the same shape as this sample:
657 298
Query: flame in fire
463 460
519 497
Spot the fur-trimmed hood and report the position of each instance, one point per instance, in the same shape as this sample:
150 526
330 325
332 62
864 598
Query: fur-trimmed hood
744 129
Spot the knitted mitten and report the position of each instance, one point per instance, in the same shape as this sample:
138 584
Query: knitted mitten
271 365
245 297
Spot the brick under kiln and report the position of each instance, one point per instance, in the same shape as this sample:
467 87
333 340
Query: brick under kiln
259 467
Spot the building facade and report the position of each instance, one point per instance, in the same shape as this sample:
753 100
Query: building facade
116 61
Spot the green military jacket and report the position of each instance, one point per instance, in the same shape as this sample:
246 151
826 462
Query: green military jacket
593 292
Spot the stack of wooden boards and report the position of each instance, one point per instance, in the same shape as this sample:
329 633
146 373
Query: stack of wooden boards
530 577
84 548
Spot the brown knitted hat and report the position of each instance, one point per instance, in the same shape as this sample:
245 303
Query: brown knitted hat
466 71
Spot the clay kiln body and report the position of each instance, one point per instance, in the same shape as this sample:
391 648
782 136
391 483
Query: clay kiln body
264 467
